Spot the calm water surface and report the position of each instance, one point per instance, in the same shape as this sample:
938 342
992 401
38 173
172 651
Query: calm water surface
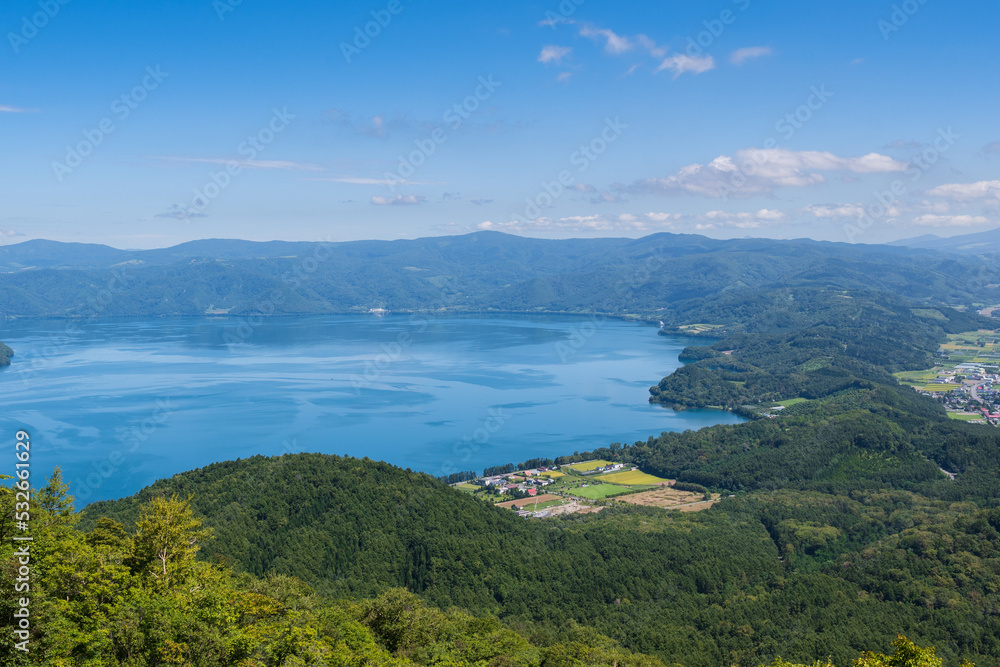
119 404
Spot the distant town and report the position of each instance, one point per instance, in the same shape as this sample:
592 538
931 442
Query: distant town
966 379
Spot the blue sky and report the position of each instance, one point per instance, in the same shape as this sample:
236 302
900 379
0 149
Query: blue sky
148 124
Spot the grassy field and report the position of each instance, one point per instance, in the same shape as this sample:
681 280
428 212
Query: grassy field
468 488
586 466
543 499
789 402
598 491
552 474
940 387
632 477
964 418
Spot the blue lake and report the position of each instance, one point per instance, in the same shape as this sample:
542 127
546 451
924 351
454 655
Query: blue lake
119 404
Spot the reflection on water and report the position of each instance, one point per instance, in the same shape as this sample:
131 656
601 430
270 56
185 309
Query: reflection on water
119 404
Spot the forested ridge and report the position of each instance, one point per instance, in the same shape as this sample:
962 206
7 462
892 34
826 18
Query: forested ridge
484 271
837 530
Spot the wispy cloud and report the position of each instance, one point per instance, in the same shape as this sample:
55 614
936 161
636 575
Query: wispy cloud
9 109
644 222
903 143
613 42
554 54
826 211
967 191
931 220
616 44
285 165
681 64
398 200
992 147
10 233
380 125
180 212
740 56
554 19
773 168
480 201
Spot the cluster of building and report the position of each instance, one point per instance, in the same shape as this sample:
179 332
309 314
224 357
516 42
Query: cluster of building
969 388
600 470
527 481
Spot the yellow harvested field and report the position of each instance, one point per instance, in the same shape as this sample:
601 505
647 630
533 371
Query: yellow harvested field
632 477
552 474
587 465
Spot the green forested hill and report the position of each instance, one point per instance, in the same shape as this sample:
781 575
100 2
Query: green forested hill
758 576
481 271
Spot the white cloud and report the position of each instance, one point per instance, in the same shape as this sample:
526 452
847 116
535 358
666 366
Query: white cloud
553 54
564 77
180 212
760 171
643 222
967 191
651 46
680 63
836 211
398 200
931 220
555 19
746 219
286 165
740 56
613 43
9 109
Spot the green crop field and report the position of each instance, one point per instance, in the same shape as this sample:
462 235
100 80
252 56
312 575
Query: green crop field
795 401
598 491
964 418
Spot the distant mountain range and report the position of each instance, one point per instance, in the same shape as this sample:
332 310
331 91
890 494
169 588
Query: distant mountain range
475 272
970 244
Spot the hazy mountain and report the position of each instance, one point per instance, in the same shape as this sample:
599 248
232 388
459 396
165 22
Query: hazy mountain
481 271
978 243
